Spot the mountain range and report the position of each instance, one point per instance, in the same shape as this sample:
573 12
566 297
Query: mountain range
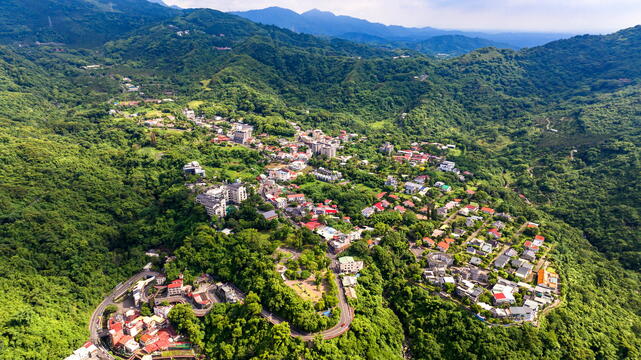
427 40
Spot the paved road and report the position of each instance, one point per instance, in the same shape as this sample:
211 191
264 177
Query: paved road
95 325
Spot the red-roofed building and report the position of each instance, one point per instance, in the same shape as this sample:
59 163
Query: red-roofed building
408 203
395 197
539 237
381 195
488 210
312 225
443 246
429 242
494 233
470 192
379 206
400 209
175 287
449 240
529 245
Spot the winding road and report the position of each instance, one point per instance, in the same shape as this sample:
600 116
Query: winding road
95 325
96 330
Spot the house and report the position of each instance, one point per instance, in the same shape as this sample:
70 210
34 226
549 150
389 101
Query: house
325 175
243 133
412 188
409 203
347 264
86 351
399 209
511 252
547 279
175 288
299 198
529 255
498 225
468 289
428 242
494 233
501 261
530 246
488 210
439 260
522 313
368 211
386 148
227 293
443 246
442 211
524 270
503 298
475 261
473 207
438 233
349 281
391 182
194 168
270 215
447 166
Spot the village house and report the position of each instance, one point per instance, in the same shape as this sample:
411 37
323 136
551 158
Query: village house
347 264
325 175
194 168
243 133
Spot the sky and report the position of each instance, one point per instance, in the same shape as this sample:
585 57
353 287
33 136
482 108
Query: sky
572 16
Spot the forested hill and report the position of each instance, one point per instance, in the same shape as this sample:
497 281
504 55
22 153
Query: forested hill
75 22
84 193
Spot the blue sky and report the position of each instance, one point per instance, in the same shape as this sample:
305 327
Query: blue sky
575 16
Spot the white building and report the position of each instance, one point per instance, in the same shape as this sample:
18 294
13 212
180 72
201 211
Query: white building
237 192
194 168
347 264
243 133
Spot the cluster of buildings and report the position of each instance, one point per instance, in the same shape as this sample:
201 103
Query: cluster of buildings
348 267
472 280
216 198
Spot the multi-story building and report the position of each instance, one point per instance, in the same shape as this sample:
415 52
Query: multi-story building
243 133
216 205
237 192
194 168
347 264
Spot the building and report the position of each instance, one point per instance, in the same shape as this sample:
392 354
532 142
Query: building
447 166
215 205
347 264
386 148
522 313
175 288
194 168
547 279
237 192
325 175
501 261
270 215
327 149
243 133
412 188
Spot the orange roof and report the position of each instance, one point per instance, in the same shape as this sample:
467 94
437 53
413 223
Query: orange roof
443 245
449 240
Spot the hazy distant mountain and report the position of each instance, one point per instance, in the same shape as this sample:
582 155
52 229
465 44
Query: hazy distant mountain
326 23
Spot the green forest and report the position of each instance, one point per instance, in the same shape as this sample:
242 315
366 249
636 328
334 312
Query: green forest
84 194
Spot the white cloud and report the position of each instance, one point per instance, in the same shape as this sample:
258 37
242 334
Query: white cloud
594 16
